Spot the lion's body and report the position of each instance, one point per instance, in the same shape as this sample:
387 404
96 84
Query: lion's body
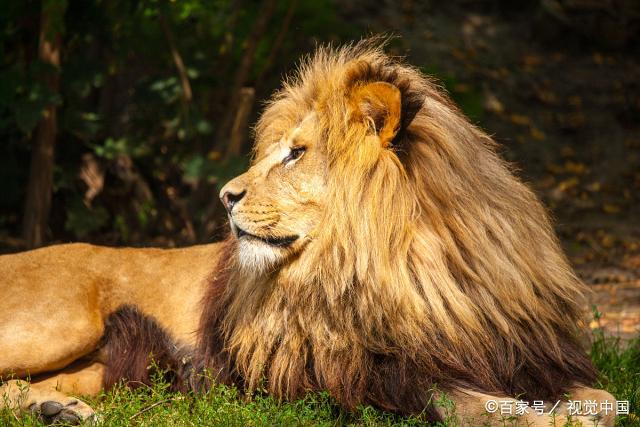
60 297
56 301
393 252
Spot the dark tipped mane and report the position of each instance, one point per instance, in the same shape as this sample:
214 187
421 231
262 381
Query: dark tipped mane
455 279
210 353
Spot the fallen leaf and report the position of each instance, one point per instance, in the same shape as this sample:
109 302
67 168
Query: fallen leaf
632 143
531 60
547 96
537 134
607 241
611 208
567 151
553 168
519 119
575 167
214 155
573 120
598 58
594 187
574 101
493 104
568 184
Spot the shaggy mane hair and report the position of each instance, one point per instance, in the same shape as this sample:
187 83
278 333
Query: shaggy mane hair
441 270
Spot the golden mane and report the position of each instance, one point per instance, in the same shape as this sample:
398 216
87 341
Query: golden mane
435 266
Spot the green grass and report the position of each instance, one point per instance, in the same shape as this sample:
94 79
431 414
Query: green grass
619 367
155 406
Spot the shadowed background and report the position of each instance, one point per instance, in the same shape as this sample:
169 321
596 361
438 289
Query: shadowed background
120 120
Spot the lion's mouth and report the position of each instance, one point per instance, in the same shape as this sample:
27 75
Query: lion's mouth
281 242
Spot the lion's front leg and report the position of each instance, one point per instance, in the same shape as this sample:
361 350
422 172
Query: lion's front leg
51 397
470 408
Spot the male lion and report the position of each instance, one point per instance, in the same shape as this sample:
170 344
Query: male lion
380 250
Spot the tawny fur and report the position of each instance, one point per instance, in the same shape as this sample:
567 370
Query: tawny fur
435 264
422 263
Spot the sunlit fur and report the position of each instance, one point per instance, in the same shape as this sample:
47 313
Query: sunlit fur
432 263
256 258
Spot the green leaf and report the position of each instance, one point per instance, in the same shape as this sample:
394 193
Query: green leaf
27 116
82 220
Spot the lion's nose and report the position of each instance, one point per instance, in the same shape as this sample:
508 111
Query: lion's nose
229 199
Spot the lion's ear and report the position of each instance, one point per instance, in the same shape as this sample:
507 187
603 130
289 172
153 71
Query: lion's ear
379 103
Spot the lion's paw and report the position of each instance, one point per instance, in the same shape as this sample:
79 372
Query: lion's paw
72 412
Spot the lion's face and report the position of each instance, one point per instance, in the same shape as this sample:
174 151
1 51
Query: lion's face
274 207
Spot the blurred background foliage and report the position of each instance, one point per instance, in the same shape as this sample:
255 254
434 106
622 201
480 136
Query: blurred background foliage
151 101
145 107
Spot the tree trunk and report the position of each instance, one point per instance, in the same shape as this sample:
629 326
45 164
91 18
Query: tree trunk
266 11
277 44
40 186
187 95
241 122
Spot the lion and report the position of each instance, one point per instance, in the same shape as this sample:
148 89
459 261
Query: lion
379 250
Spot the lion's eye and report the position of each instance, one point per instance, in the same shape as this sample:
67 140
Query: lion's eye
294 154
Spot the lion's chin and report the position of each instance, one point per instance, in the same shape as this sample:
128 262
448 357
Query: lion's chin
257 257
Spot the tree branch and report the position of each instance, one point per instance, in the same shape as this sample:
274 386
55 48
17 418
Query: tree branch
277 44
177 60
266 11
40 186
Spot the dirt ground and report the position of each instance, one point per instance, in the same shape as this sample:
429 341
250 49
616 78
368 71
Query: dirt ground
564 104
